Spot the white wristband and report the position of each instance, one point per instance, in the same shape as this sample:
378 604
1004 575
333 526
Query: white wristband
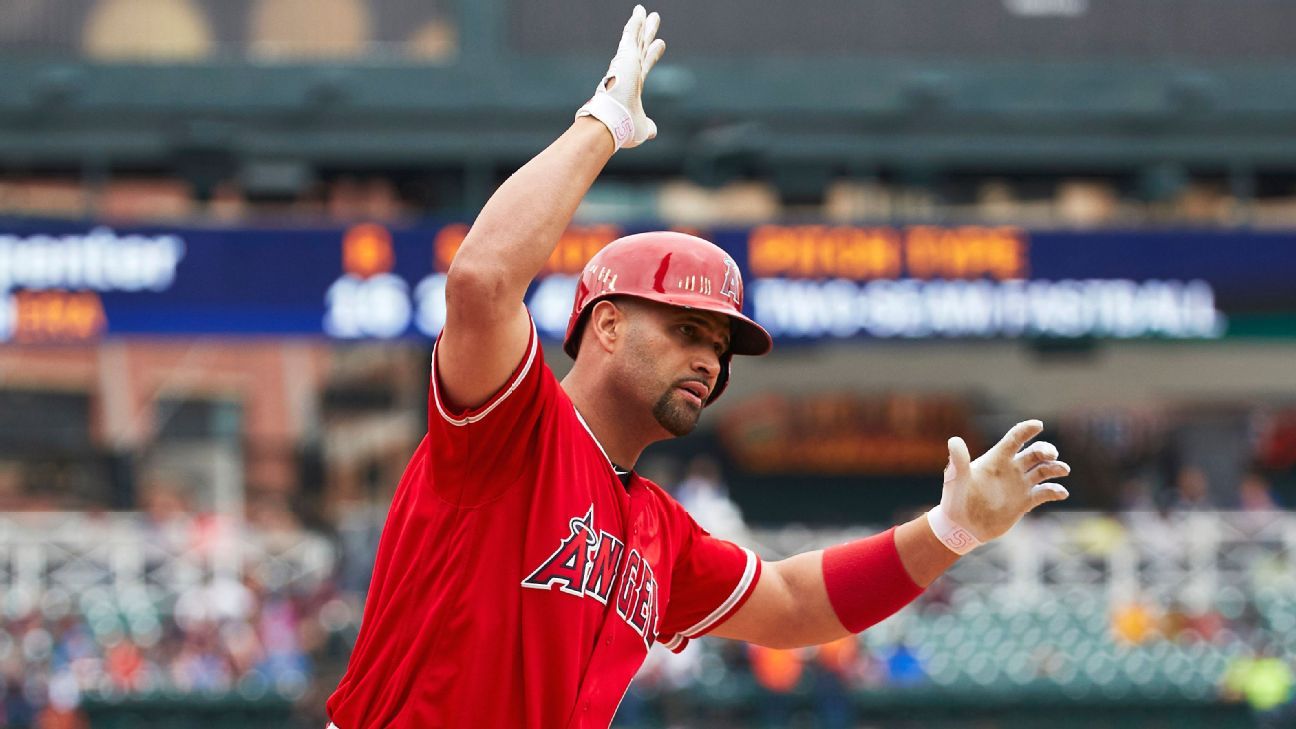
613 115
956 537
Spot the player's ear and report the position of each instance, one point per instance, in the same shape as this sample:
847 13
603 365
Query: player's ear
607 323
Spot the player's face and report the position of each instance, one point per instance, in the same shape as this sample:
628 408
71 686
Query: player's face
677 358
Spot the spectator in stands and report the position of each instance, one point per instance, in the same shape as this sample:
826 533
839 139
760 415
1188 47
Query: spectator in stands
125 665
1183 624
1266 682
1260 507
779 673
704 494
166 513
17 708
11 487
64 697
1135 622
836 674
903 666
271 514
285 664
201 665
1255 493
1099 534
359 526
1192 490
1137 494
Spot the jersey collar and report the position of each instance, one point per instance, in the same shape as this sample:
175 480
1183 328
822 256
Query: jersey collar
622 474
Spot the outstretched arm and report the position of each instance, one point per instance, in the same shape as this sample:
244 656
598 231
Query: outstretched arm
486 325
820 596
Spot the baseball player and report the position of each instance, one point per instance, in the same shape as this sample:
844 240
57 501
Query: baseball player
525 568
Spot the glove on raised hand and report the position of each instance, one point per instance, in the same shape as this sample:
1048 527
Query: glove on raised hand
616 101
983 499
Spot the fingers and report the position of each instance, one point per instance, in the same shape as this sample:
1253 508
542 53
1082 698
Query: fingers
653 46
1047 470
653 54
1018 436
960 462
1046 492
1039 461
1035 454
649 31
633 30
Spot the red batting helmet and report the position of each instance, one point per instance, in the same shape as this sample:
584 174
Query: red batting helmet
669 268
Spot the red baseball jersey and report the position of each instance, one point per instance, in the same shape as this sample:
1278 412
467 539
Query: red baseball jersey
519 582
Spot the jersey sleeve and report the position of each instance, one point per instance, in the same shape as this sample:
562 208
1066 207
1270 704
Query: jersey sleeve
478 452
712 579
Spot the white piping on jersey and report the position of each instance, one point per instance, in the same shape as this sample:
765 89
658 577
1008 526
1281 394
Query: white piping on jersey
716 615
595 439
436 391
720 612
617 473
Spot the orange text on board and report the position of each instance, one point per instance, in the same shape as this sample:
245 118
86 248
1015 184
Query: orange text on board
58 316
865 253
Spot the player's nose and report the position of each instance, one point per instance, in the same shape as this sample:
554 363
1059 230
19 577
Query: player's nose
707 364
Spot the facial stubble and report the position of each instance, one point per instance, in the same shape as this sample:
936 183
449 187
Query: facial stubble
676 416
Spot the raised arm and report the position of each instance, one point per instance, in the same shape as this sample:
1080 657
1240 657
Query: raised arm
486 327
820 596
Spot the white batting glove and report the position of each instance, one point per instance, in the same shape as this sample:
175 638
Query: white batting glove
616 101
983 499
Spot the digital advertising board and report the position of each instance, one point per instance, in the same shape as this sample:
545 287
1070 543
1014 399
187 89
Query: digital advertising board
68 282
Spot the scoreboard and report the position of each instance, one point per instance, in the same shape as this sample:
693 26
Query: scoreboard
62 281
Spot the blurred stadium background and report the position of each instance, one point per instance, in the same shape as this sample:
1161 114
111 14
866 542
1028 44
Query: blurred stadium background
223 225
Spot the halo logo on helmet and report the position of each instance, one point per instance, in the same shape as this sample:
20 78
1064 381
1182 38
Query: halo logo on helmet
733 283
670 268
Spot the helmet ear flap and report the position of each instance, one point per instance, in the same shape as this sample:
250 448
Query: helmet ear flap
575 330
722 379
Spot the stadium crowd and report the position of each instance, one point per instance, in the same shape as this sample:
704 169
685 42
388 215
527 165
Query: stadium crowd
266 636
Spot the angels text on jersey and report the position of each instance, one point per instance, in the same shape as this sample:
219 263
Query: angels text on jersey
587 564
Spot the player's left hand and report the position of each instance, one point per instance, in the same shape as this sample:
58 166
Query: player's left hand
991 494
617 99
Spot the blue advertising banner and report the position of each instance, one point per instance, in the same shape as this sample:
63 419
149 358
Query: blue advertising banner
63 281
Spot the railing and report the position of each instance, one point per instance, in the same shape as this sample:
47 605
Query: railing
125 554
1193 559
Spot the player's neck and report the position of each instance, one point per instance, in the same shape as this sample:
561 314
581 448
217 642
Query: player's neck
621 439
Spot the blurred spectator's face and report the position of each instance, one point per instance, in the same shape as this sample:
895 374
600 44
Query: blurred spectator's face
1254 492
162 501
1192 484
11 487
704 468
